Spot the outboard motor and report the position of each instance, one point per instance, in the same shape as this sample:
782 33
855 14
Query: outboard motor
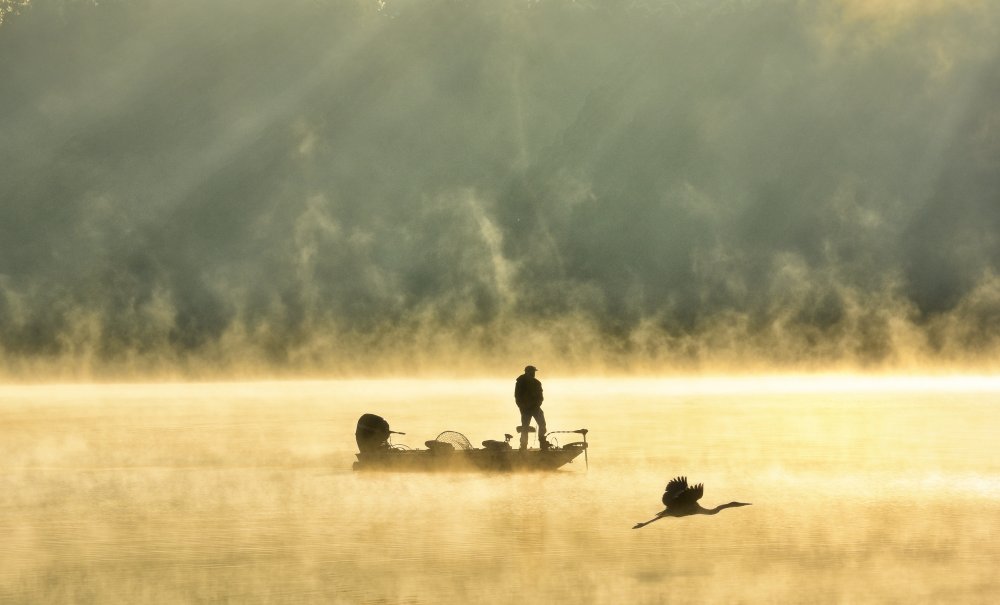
372 433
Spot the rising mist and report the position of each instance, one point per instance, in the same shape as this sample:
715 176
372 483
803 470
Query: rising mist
339 186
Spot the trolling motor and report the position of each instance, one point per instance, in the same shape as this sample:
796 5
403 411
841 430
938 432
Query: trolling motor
576 444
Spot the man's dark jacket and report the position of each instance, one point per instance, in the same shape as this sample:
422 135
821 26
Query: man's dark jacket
528 392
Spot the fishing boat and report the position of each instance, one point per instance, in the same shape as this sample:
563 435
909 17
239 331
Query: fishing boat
452 451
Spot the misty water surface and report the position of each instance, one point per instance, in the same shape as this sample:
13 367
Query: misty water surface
244 493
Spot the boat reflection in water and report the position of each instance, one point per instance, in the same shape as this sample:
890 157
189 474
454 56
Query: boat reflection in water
452 451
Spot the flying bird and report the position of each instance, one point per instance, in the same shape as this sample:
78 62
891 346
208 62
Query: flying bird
681 500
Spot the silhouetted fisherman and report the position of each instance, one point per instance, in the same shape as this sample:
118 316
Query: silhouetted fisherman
528 397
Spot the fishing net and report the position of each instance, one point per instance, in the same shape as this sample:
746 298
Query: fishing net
455 439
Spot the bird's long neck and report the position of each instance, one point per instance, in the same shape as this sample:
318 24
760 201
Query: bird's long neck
715 511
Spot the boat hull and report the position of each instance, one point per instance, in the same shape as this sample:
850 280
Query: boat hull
486 459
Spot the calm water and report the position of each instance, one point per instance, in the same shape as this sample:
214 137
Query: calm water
243 493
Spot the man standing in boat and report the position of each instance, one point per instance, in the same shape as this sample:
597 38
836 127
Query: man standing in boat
528 397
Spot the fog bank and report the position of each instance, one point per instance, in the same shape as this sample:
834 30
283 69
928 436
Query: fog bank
339 187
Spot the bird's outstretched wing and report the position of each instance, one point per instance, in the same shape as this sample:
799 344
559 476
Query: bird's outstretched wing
690 495
675 487
680 494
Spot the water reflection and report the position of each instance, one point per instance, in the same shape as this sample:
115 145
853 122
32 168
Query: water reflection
223 493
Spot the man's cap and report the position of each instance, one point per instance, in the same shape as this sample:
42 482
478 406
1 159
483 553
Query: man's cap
530 369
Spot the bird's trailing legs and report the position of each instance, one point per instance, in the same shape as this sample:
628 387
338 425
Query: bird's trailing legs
645 523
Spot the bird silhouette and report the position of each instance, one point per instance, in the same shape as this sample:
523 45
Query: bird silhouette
681 500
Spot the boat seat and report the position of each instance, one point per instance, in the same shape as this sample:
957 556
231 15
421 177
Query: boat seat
529 429
493 444
439 446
